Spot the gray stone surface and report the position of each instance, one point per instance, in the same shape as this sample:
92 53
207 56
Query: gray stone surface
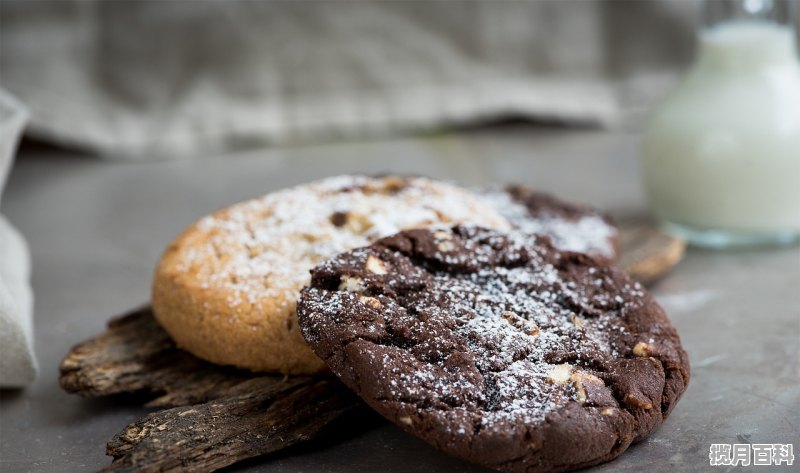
96 229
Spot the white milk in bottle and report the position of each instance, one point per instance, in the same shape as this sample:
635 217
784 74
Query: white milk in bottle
721 157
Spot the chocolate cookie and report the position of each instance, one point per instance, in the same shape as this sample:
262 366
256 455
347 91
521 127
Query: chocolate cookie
571 227
496 347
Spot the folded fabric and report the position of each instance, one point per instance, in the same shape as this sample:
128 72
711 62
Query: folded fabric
17 361
13 116
18 365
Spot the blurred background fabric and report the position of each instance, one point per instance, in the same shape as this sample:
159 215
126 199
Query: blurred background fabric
155 79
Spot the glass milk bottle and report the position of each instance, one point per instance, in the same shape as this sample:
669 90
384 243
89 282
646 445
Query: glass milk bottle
721 157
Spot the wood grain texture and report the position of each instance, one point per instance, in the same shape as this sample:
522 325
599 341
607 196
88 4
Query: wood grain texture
219 415
262 417
135 355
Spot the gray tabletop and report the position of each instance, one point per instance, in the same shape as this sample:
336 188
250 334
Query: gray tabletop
96 229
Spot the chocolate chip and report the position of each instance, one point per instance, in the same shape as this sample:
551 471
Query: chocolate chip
338 218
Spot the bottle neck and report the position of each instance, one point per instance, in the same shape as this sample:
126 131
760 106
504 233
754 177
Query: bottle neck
744 45
717 12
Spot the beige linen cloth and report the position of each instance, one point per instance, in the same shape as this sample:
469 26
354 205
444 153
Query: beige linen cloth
144 79
17 361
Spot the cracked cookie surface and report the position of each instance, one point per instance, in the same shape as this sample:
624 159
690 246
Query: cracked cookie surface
496 347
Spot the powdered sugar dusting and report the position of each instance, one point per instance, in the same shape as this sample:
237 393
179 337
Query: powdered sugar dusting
264 248
487 338
585 234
